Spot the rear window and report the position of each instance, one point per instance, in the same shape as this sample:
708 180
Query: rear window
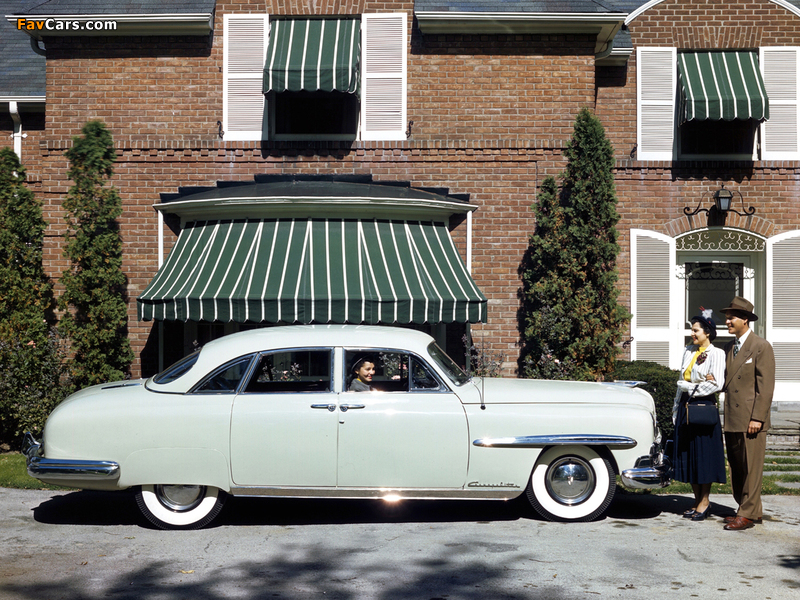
292 371
177 370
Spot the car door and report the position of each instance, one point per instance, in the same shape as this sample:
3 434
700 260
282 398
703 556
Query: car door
410 431
284 421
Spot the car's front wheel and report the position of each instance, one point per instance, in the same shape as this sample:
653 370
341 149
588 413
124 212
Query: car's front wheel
180 506
571 483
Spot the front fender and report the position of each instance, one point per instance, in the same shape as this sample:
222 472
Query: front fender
176 466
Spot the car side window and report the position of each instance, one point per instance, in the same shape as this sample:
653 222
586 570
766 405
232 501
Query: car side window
391 370
422 378
291 371
226 379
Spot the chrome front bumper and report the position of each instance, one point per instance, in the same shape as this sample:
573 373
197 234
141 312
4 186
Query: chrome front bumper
73 470
653 471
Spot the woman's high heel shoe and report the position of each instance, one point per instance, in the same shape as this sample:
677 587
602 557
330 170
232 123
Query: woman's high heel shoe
689 513
700 516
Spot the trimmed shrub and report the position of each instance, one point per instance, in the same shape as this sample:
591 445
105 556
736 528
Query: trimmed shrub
661 384
570 320
94 301
33 381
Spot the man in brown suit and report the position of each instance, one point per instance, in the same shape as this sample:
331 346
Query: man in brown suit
749 384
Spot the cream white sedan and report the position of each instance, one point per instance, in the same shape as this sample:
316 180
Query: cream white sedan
274 412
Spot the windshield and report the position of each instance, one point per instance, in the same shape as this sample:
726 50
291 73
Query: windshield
176 371
448 365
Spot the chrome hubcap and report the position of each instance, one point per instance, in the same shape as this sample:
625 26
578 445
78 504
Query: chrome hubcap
570 480
180 498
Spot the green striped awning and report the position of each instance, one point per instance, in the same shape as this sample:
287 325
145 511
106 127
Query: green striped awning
312 55
314 271
721 86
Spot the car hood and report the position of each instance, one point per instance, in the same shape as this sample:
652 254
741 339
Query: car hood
524 391
118 388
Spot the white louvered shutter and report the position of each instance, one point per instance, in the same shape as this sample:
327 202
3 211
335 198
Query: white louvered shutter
780 135
783 312
383 76
244 51
656 89
655 299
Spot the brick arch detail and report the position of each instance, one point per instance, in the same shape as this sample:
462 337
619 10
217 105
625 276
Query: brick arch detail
645 7
752 223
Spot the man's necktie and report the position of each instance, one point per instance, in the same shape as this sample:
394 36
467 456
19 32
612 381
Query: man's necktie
736 348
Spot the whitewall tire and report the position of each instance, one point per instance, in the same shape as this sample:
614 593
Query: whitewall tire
571 483
180 506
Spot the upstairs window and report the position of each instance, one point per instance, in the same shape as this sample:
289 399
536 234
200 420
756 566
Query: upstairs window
735 105
721 101
318 78
311 78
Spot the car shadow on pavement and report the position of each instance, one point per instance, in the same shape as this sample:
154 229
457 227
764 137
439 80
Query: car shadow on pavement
119 508
90 508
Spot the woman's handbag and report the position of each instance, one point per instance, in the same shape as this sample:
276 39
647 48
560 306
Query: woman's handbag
702 412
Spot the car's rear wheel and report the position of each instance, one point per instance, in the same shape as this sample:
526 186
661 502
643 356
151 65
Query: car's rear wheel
571 483
180 506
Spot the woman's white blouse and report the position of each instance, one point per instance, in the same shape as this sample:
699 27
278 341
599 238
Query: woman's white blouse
714 364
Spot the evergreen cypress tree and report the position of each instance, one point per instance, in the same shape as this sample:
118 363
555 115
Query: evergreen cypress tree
25 292
94 299
30 368
570 318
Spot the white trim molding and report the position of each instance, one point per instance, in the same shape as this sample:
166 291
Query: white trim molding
604 25
125 24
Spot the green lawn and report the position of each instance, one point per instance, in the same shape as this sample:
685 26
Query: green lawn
14 475
776 461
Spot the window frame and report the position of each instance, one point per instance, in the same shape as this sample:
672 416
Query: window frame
197 388
654 144
443 386
259 355
398 74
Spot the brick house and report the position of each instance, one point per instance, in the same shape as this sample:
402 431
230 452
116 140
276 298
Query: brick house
437 112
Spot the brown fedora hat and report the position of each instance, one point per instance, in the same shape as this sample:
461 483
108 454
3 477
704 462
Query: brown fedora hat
740 305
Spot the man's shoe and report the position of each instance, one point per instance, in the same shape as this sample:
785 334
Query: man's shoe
730 519
739 524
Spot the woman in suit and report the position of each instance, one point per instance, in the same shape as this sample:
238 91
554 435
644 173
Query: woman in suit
699 456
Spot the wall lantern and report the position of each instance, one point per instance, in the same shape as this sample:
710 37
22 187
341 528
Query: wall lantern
723 201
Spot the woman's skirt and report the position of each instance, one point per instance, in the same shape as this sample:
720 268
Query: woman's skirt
699 454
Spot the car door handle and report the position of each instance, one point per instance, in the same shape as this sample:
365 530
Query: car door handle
328 407
346 407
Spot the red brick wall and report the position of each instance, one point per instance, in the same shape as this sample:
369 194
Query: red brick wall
490 113
652 195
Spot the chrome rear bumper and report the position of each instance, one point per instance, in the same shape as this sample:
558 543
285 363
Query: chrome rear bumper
653 471
73 470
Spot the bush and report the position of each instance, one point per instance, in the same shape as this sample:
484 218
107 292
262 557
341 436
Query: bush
32 382
94 301
482 361
570 319
661 384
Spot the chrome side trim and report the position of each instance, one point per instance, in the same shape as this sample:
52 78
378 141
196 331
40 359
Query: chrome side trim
387 493
74 470
540 441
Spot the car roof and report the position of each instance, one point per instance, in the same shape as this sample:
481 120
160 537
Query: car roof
225 349
294 336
